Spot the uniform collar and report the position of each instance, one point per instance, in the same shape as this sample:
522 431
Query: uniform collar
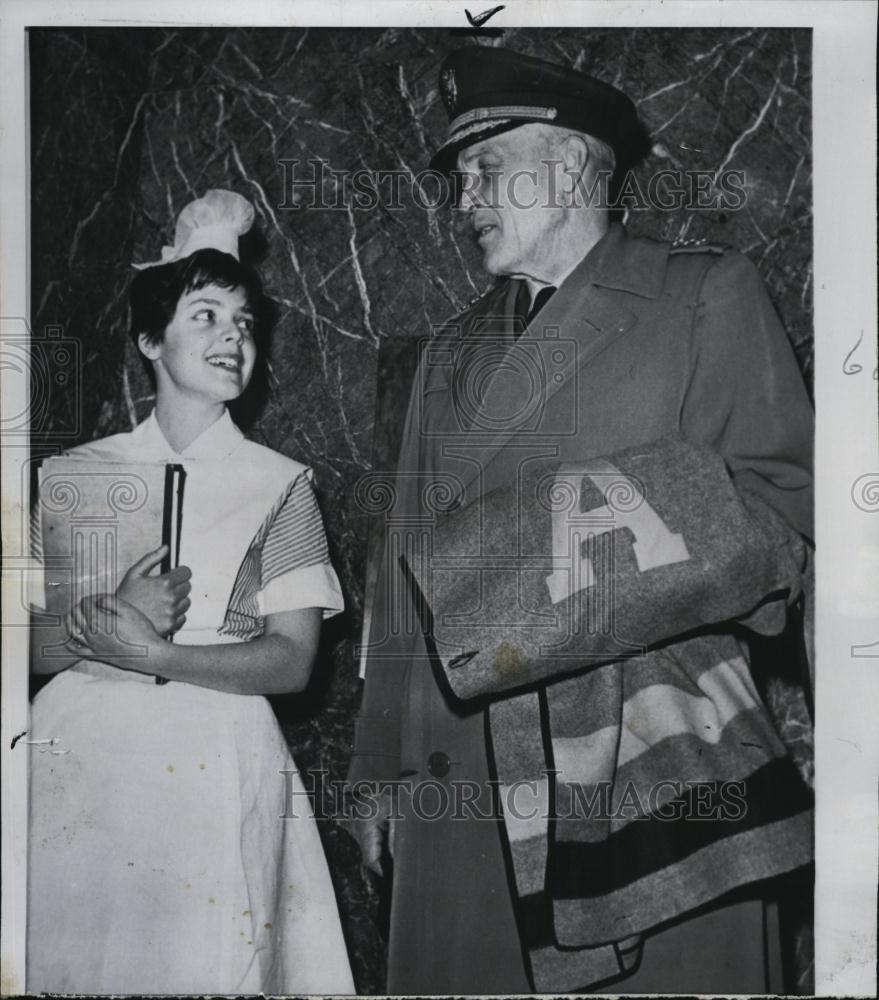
630 265
218 441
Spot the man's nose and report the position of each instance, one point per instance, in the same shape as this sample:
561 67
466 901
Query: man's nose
466 200
469 195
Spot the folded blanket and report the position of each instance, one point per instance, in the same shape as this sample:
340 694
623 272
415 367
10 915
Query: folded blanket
642 778
575 565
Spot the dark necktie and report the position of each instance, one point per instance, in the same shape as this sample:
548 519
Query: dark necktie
525 314
540 300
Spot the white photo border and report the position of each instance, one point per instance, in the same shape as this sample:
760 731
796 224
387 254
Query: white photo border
847 438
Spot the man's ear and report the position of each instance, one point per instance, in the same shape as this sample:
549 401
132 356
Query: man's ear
575 153
575 157
148 348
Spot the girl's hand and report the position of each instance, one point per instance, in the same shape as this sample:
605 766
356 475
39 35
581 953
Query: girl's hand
164 599
106 628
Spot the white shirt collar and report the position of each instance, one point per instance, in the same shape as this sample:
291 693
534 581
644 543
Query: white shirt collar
218 441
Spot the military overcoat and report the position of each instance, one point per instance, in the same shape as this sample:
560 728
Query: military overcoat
641 341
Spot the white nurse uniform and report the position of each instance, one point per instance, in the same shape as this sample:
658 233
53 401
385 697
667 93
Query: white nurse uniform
158 859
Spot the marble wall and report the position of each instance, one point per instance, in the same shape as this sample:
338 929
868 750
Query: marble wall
130 124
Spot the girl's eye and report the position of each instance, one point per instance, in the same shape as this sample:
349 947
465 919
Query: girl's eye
245 324
205 314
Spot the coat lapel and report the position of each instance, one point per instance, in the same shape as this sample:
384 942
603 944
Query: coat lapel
584 317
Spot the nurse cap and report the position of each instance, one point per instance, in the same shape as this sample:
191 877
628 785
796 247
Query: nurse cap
213 222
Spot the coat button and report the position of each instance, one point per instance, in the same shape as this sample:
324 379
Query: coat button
438 764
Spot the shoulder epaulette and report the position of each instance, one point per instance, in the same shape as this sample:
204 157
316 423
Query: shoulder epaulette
696 246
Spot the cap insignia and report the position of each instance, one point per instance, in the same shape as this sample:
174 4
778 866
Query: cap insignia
449 88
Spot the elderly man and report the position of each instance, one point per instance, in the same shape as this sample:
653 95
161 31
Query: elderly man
596 354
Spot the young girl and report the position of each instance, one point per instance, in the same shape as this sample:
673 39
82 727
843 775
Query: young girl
159 861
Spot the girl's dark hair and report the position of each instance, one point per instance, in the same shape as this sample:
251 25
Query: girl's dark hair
156 291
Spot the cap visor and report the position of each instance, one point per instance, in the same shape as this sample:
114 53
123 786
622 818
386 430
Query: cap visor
445 159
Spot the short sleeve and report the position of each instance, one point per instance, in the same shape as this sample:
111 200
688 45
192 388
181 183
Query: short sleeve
295 568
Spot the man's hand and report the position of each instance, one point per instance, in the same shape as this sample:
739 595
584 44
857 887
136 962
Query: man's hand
104 627
164 599
370 832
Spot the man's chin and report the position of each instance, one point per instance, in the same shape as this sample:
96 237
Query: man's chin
492 265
